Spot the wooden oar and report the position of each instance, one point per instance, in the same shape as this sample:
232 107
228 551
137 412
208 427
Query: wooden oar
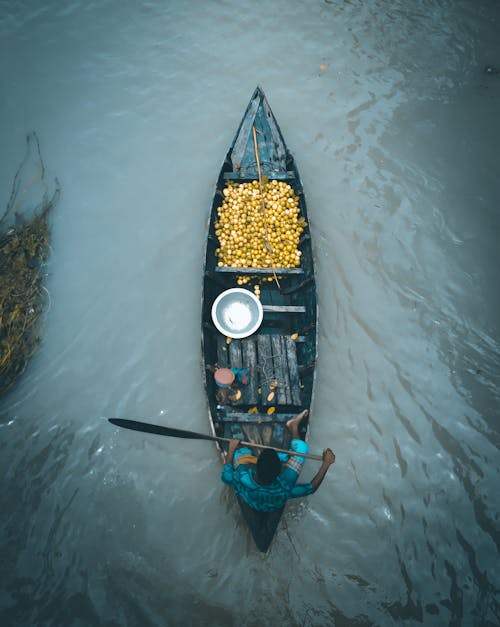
146 427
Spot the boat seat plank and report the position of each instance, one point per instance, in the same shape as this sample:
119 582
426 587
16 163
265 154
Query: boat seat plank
284 308
235 176
258 271
280 418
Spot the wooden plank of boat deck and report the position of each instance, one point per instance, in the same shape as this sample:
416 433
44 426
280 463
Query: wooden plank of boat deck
293 370
266 367
241 142
249 353
280 369
236 362
264 141
280 152
222 355
288 384
235 354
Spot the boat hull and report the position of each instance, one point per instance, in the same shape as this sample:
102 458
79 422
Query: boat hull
279 360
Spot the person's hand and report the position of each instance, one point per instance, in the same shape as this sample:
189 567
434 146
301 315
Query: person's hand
233 445
328 456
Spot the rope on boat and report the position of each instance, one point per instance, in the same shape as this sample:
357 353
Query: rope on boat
268 245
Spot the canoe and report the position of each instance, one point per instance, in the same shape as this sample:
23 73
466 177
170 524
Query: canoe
275 366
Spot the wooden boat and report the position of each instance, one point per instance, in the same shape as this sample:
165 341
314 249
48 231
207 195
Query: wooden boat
283 350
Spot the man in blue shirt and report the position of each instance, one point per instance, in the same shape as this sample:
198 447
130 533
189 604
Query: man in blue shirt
266 485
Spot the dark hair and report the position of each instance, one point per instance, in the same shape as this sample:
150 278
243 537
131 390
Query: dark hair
268 466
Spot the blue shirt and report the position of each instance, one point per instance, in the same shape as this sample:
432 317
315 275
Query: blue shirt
264 498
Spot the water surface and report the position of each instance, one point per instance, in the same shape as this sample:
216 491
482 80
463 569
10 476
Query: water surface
394 124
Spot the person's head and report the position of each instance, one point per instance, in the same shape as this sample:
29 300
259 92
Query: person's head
268 466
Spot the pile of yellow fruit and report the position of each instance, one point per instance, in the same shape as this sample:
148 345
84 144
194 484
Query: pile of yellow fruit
251 236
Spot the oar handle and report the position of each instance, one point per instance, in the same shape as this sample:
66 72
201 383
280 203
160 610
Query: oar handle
278 450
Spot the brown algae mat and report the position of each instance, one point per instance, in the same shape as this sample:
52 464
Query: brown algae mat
24 249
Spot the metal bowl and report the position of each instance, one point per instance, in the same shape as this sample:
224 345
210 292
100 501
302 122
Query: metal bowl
237 313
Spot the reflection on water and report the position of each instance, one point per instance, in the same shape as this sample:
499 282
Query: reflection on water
393 122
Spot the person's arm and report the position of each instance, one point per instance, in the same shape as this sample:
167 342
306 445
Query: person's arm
328 460
233 445
228 472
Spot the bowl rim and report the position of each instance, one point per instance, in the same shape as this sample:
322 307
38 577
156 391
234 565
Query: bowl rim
247 293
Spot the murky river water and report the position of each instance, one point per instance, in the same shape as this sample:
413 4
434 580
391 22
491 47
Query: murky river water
395 127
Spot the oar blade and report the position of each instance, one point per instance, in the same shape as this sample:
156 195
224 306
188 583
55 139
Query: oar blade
147 427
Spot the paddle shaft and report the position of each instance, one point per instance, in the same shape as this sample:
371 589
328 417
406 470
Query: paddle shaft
278 450
147 427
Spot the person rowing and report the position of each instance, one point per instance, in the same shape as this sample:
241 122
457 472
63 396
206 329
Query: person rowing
267 482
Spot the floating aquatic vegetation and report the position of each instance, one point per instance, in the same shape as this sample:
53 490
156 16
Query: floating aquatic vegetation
24 248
